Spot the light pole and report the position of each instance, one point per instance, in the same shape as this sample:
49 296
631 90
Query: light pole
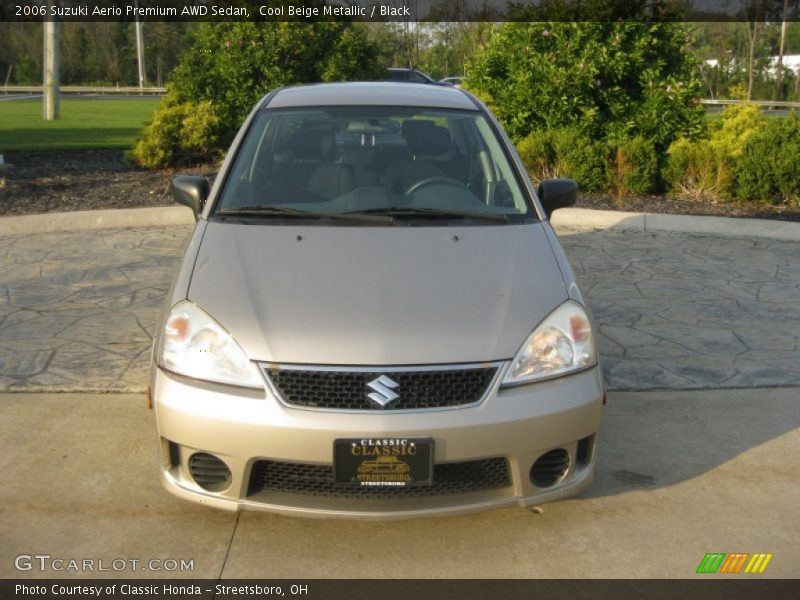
140 48
52 66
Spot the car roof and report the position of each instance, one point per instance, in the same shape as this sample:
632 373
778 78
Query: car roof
378 93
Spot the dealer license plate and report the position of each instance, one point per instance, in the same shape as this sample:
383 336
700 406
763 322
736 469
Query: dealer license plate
383 462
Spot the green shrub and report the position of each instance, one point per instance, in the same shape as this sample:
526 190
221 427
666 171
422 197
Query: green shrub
233 64
767 165
707 168
694 170
180 132
536 151
564 152
632 167
580 158
612 97
229 66
632 78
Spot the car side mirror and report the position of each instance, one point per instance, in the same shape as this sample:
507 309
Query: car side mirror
557 193
190 191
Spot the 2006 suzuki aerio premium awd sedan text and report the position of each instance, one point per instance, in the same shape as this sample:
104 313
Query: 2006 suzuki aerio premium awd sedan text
374 318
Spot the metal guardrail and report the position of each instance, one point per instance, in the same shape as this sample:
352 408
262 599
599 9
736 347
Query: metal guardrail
81 89
159 91
766 103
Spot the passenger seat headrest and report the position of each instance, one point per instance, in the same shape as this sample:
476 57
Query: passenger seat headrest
426 138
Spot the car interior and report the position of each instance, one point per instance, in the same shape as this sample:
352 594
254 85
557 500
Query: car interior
348 162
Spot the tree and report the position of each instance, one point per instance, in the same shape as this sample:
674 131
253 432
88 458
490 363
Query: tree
233 64
165 42
21 50
598 11
751 27
606 79
229 66
730 46
756 14
782 46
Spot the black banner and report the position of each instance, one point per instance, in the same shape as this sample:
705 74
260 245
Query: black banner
400 10
714 587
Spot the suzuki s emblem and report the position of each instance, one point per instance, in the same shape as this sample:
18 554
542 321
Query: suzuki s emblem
383 393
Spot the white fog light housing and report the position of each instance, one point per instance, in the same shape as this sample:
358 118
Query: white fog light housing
563 343
195 345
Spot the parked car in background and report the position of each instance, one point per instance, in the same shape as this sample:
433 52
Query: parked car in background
408 76
455 81
374 318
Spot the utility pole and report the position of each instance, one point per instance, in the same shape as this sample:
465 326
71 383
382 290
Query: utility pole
140 49
52 67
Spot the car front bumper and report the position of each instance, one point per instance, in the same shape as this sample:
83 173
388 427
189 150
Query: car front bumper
242 427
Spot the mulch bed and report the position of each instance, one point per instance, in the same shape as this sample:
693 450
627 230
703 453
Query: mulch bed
57 181
60 181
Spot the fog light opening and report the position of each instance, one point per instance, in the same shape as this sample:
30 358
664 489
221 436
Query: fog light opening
550 468
209 472
174 455
585 450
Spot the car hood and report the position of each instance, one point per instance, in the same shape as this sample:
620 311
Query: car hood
377 295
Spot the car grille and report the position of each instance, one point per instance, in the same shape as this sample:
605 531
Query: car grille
317 480
348 390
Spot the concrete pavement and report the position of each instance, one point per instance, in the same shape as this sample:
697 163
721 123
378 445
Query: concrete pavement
675 311
566 217
78 310
80 482
683 311
679 474
640 222
89 220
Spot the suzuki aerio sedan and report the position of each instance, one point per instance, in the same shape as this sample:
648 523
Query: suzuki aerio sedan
374 318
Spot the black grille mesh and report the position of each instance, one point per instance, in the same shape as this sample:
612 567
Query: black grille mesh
317 480
347 390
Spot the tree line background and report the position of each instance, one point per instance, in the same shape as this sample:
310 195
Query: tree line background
105 53
610 100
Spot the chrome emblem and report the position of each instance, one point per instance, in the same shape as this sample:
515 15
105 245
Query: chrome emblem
383 393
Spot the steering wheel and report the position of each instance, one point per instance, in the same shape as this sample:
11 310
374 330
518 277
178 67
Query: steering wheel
434 181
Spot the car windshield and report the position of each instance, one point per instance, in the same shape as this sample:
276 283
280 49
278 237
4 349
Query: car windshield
404 163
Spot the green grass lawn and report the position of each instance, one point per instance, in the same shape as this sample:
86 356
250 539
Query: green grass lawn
84 124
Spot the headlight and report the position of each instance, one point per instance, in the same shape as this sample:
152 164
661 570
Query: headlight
195 345
562 343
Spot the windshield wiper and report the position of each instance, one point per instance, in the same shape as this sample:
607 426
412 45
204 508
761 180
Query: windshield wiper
265 210
403 211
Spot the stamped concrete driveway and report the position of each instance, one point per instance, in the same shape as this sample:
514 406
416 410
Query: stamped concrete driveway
679 474
78 310
675 311
679 311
